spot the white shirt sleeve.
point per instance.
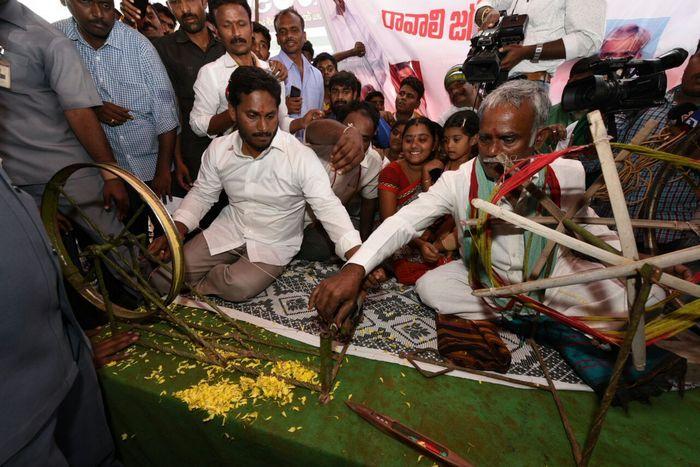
(584, 24)
(325, 204)
(282, 114)
(203, 194)
(497, 4)
(406, 224)
(206, 101)
(370, 179)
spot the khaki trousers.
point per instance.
(229, 275)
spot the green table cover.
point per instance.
(487, 424)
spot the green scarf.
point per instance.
(477, 242)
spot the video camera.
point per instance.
(483, 63)
(616, 84)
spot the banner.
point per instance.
(425, 39)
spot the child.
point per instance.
(400, 183)
(393, 152)
(460, 132)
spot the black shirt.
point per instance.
(183, 59)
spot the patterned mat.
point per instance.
(395, 321)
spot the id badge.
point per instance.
(5, 71)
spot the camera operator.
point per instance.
(677, 195)
(557, 30)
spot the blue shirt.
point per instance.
(128, 72)
(311, 86)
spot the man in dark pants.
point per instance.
(50, 401)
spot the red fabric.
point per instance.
(408, 272)
(393, 179)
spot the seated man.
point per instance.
(269, 177)
(362, 180)
(463, 95)
(511, 123)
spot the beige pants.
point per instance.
(229, 275)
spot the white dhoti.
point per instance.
(446, 289)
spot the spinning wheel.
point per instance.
(86, 264)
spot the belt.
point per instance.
(535, 76)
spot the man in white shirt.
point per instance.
(362, 180)
(269, 177)
(557, 30)
(512, 120)
(210, 116)
(463, 95)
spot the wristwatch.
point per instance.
(538, 51)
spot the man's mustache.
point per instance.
(187, 16)
(262, 135)
(238, 40)
(101, 24)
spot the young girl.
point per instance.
(400, 183)
(461, 133)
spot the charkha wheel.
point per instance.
(94, 262)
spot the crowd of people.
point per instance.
(280, 158)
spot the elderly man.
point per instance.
(463, 95)
(511, 124)
(269, 177)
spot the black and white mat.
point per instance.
(395, 321)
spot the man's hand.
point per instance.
(294, 105)
(348, 151)
(515, 54)
(130, 12)
(279, 71)
(182, 175)
(162, 185)
(335, 297)
(491, 19)
(107, 350)
(375, 279)
(114, 193)
(429, 252)
(159, 247)
(310, 116)
(112, 114)
(359, 49)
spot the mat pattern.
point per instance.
(394, 321)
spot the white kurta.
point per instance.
(446, 288)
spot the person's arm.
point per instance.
(89, 132)
(347, 152)
(335, 296)
(367, 209)
(78, 98)
(584, 26)
(204, 193)
(357, 51)
(162, 181)
(326, 206)
(204, 119)
(166, 115)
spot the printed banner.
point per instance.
(425, 39)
